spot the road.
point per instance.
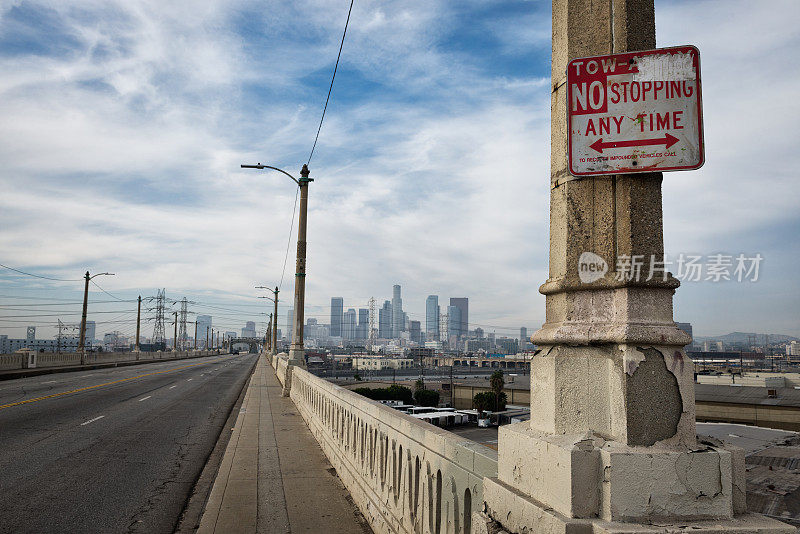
(111, 450)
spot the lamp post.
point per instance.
(296, 352)
(82, 338)
(273, 317)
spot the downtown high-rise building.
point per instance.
(453, 322)
(337, 308)
(398, 318)
(203, 329)
(462, 304)
(363, 324)
(249, 330)
(349, 324)
(432, 318)
(385, 321)
(289, 324)
(414, 330)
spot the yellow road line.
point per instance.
(36, 399)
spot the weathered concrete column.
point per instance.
(611, 444)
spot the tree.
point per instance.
(357, 376)
(488, 400)
(419, 385)
(426, 397)
(496, 382)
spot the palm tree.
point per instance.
(496, 382)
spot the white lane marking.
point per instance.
(93, 420)
(145, 398)
(188, 379)
(50, 382)
(172, 387)
(84, 376)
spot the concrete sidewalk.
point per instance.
(274, 477)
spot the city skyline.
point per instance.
(170, 183)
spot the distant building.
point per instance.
(91, 330)
(453, 322)
(363, 324)
(414, 331)
(31, 334)
(462, 303)
(203, 329)
(349, 324)
(385, 321)
(397, 312)
(686, 327)
(479, 332)
(249, 330)
(793, 349)
(378, 363)
(289, 324)
(432, 318)
(337, 309)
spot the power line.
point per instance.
(289, 242)
(335, 68)
(40, 276)
(107, 293)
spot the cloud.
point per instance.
(124, 124)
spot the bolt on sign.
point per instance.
(635, 112)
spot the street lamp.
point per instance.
(274, 318)
(296, 351)
(82, 339)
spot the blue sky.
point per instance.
(123, 124)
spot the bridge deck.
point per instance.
(274, 477)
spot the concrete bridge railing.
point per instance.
(405, 475)
(64, 359)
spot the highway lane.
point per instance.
(111, 450)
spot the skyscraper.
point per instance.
(414, 331)
(432, 318)
(337, 307)
(249, 331)
(203, 327)
(385, 321)
(523, 334)
(289, 324)
(453, 321)
(363, 323)
(349, 324)
(462, 304)
(397, 312)
(91, 331)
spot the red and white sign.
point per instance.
(635, 112)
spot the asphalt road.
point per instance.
(111, 450)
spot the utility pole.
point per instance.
(297, 352)
(275, 323)
(269, 334)
(195, 335)
(138, 322)
(82, 338)
(175, 340)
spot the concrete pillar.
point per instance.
(611, 444)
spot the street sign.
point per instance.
(635, 112)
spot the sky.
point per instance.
(123, 124)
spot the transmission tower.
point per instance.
(182, 332)
(158, 329)
(371, 340)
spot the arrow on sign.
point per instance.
(668, 140)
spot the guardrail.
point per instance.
(405, 475)
(65, 359)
